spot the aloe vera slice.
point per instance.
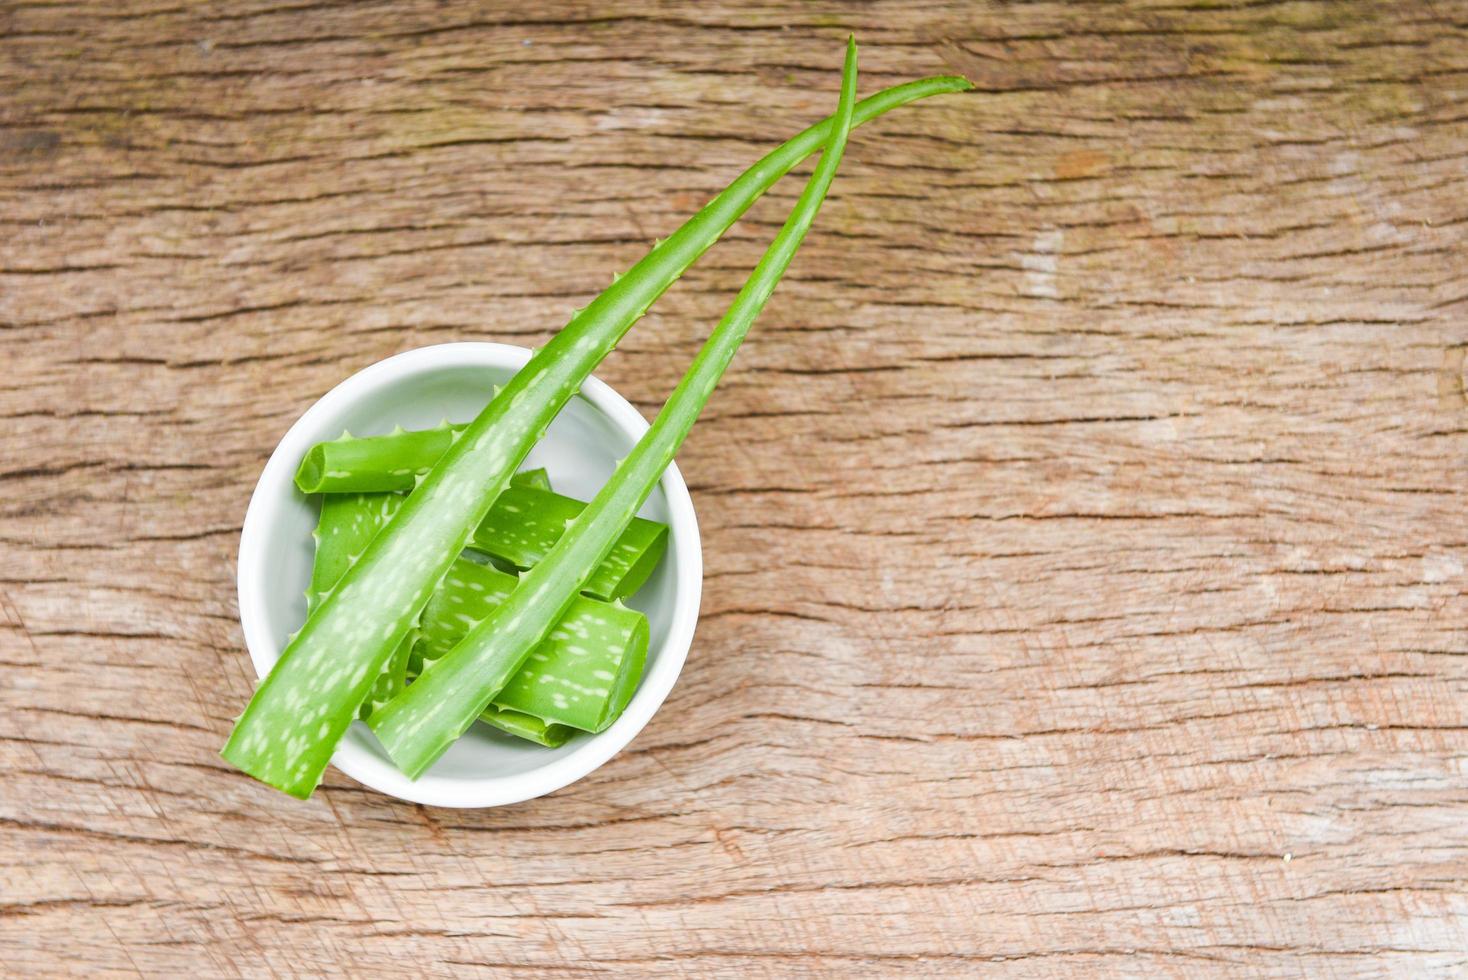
(582, 675)
(374, 464)
(298, 714)
(528, 727)
(347, 524)
(525, 524)
(419, 724)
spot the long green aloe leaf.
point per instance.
(299, 713)
(419, 724)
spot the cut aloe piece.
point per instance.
(391, 462)
(528, 727)
(582, 674)
(526, 523)
(376, 463)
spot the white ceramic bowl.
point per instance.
(417, 389)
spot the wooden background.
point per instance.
(1084, 518)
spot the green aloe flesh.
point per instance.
(581, 675)
(390, 462)
(525, 524)
(298, 714)
(528, 727)
(347, 524)
(420, 723)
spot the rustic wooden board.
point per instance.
(1084, 518)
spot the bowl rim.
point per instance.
(378, 773)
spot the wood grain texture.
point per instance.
(1084, 519)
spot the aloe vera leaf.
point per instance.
(347, 524)
(583, 673)
(298, 714)
(528, 727)
(525, 524)
(419, 724)
(366, 465)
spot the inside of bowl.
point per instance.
(579, 451)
